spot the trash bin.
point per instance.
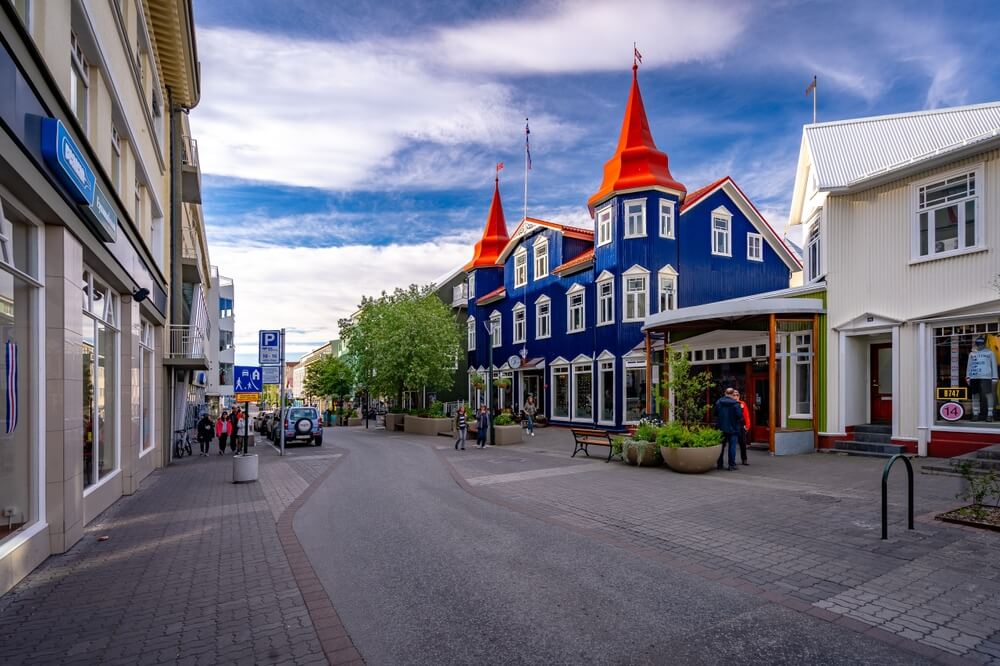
(245, 468)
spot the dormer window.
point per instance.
(604, 226)
(521, 268)
(635, 218)
(722, 232)
(666, 218)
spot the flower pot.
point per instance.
(422, 425)
(634, 453)
(245, 468)
(691, 460)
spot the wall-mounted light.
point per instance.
(141, 294)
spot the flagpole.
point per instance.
(815, 95)
(525, 169)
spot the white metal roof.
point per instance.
(781, 301)
(848, 152)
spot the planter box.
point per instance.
(508, 434)
(691, 461)
(630, 454)
(419, 425)
(245, 468)
(394, 421)
(355, 421)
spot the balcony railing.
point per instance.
(188, 342)
(460, 295)
(189, 151)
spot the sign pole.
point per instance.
(246, 428)
(281, 408)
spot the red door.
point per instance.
(881, 388)
(760, 412)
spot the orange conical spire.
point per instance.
(637, 163)
(495, 236)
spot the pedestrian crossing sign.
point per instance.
(247, 383)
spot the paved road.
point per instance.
(421, 572)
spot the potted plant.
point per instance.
(689, 449)
(641, 448)
(506, 430)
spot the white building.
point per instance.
(901, 218)
(222, 346)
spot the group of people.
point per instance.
(483, 423)
(229, 428)
(732, 417)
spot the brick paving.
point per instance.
(803, 531)
(194, 571)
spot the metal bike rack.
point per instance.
(885, 493)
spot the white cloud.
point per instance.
(307, 290)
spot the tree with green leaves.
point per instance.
(404, 341)
(329, 377)
(688, 389)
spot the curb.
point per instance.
(333, 636)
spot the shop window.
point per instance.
(543, 318)
(802, 376)
(635, 393)
(19, 440)
(606, 390)
(583, 393)
(560, 392)
(965, 363)
(948, 215)
(100, 381)
(147, 397)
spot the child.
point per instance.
(462, 424)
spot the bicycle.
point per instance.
(182, 444)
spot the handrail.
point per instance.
(885, 493)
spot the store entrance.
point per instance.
(881, 379)
(531, 384)
(760, 409)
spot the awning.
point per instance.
(734, 310)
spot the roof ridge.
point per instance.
(907, 114)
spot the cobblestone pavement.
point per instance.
(804, 530)
(193, 572)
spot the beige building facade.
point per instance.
(91, 102)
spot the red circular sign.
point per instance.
(951, 411)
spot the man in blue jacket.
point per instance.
(728, 418)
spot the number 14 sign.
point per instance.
(951, 411)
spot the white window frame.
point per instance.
(978, 187)
(603, 362)
(561, 367)
(541, 256)
(634, 273)
(667, 210)
(721, 214)
(116, 159)
(581, 368)
(496, 328)
(814, 254)
(472, 286)
(471, 333)
(110, 319)
(577, 290)
(606, 315)
(605, 225)
(632, 361)
(521, 267)
(755, 247)
(79, 73)
(520, 315)
(147, 343)
(801, 346)
(541, 317)
(667, 274)
(640, 230)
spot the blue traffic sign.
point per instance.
(269, 351)
(247, 379)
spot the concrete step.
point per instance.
(870, 447)
(989, 453)
(854, 452)
(950, 468)
(874, 428)
(874, 437)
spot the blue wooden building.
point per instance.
(563, 307)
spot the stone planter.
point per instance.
(691, 461)
(355, 421)
(245, 468)
(394, 421)
(508, 434)
(631, 454)
(420, 425)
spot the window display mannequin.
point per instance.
(981, 376)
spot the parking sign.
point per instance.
(269, 350)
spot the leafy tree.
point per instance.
(406, 340)
(689, 389)
(330, 376)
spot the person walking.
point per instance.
(223, 428)
(728, 419)
(530, 409)
(745, 430)
(482, 426)
(206, 431)
(241, 432)
(461, 425)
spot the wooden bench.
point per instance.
(584, 437)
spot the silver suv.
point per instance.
(302, 424)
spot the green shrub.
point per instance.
(677, 435)
(704, 437)
(436, 409)
(672, 435)
(504, 419)
(646, 432)
(616, 446)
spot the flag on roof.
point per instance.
(812, 86)
(637, 57)
(527, 144)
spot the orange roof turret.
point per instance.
(495, 236)
(637, 163)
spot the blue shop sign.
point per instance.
(65, 158)
(102, 218)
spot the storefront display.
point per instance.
(965, 358)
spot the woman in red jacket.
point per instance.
(745, 434)
(223, 429)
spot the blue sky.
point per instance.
(349, 147)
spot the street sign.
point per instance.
(246, 379)
(271, 375)
(246, 397)
(269, 350)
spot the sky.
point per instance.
(349, 147)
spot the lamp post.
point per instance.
(489, 379)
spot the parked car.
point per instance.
(302, 424)
(260, 420)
